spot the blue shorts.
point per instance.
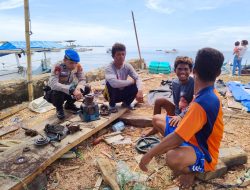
(198, 166)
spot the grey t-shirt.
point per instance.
(179, 88)
(117, 78)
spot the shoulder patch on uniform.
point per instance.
(64, 66)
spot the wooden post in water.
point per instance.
(28, 53)
(139, 51)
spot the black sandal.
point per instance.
(104, 110)
(113, 110)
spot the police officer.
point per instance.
(65, 83)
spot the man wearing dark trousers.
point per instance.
(118, 87)
(65, 82)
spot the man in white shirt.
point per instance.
(242, 51)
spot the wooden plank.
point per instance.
(38, 158)
(108, 173)
(231, 103)
(12, 110)
(9, 142)
(136, 120)
(2, 149)
(8, 129)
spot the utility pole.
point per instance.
(139, 51)
(28, 53)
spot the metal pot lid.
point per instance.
(144, 144)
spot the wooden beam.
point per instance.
(32, 50)
(137, 42)
(136, 120)
(28, 52)
(12, 110)
(8, 129)
(38, 158)
(108, 173)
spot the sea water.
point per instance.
(99, 58)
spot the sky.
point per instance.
(161, 24)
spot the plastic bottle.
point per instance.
(119, 126)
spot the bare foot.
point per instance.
(149, 132)
(185, 181)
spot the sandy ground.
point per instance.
(236, 134)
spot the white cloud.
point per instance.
(170, 6)
(226, 32)
(86, 33)
(10, 4)
(222, 38)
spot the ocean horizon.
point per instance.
(98, 57)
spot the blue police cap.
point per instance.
(72, 55)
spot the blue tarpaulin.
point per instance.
(21, 45)
(240, 94)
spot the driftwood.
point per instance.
(8, 129)
(136, 120)
(108, 173)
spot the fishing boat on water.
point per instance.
(171, 51)
(84, 49)
(18, 48)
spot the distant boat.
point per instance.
(83, 49)
(171, 51)
(18, 49)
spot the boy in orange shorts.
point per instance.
(194, 145)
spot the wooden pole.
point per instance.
(28, 53)
(142, 64)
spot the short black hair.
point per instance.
(186, 97)
(118, 47)
(183, 60)
(237, 43)
(244, 42)
(208, 63)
